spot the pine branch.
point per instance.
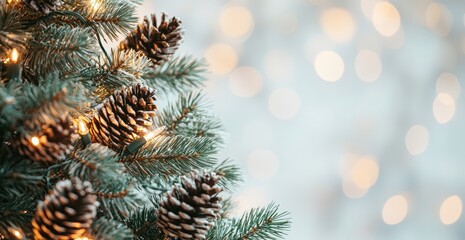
(125, 68)
(142, 224)
(166, 155)
(259, 223)
(51, 98)
(60, 48)
(107, 229)
(177, 75)
(189, 117)
(230, 174)
(13, 33)
(9, 112)
(110, 17)
(99, 165)
(18, 175)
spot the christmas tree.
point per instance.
(87, 154)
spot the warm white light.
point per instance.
(451, 210)
(95, 4)
(17, 234)
(83, 238)
(395, 210)
(368, 66)
(222, 58)
(449, 84)
(284, 103)
(367, 7)
(417, 139)
(236, 21)
(443, 108)
(438, 18)
(364, 172)
(329, 66)
(151, 135)
(82, 128)
(35, 141)
(14, 55)
(351, 190)
(338, 24)
(263, 164)
(386, 19)
(245, 82)
(249, 198)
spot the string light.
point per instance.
(138, 143)
(16, 233)
(83, 131)
(35, 141)
(14, 56)
(95, 4)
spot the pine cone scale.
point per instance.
(157, 41)
(124, 116)
(188, 210)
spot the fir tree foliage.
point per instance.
(66, 74)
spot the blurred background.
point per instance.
(346, 112)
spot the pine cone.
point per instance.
(53, 140)
(157, 42)
(44, 6)
(186, 212)
(124, 116)
(67, 212)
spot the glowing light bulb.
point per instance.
(83, 238)
(95, 4)
(82, 128)
(35, 141)
(17, 234)
(151, 135)
(14, 55)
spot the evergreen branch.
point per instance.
(125, 68)
(189, 117)
(51, 98)
(110, 17)
(260, 223)
(177, 75)
(13, 33)
(18, 175)
(166, 155)
(142, 224)
(84, 21)
(60, 48)
(230, 174)
(99, 165)
(107, 229)
(9, 112)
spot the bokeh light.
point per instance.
(359, 175)
(449, 84)
(251, 197)
(443, 108)
(451, 210)
(236, 21)
(395, 209)
(368, 66)
(245, 82)
(262, 164)
(386, 18)
(364, 172)
(284, 103)
(329, 66)
(338, 24)
(221, 58)
(367, 7)
(438, 18)
(417, 139)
